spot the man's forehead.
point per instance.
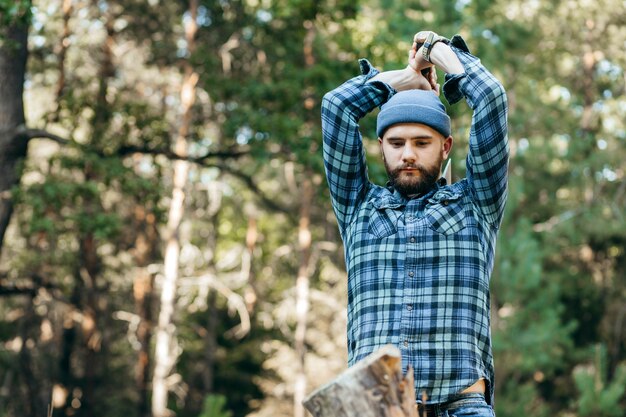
(411, 131)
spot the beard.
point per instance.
(409, 185)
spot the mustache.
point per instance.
(420, 168)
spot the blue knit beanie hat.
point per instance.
(414, 106)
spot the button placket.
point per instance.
(410, 246)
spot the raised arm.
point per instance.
(488, 156)
(342, 108)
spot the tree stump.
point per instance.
(374, 387)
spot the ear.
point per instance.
(447, 146)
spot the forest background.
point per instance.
(167, 237)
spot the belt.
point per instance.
(435, 410)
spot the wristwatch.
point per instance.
(430, 41)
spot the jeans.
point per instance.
(464, 405)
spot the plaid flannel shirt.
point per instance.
(419, 269)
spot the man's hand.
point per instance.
(424, 69)
(419, 63)
(407, 79)
(419, 73)
(441, 55)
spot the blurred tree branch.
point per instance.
(24, 133)
(27, 134)
(253, 186)
(36, 283)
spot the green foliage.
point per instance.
(520, 399)
(15, 12)
(238, 362)
(60, 204)
(600, 396)
(214, 407)
(557, 287)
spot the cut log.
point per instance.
(373, 387)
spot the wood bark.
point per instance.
(88, 303)
(27, 363)
(210, 338)
(305, 242)
(210, 342)
(63, 45)
(373, 387)
(13, 147)
(143, 291)
(66, 378)
(91, 304)
(165, 352)
(302, 295)
(247, 264)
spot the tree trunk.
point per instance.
(143, 293)
(35, 404)
(247, 267)
(210, 342)
(302, 294)
(13, 54)
(92, 313)
(143, 290)
(63, 45)
(304, 238)
(210, 338)
(165, 354)
(373, 387)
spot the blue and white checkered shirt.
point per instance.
(419, 269)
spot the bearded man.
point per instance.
(419, 251)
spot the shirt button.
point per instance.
(411, 273)
(410, 218)
(406, 344)
(409, 307)
(412, 240)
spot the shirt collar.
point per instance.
(397, 196)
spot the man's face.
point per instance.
(413, 154)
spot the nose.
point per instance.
(408, 154)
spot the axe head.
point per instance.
(447, 172)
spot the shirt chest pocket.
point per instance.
(445, 213)
(384, 217)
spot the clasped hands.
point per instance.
(424, 70)
(420, 72)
